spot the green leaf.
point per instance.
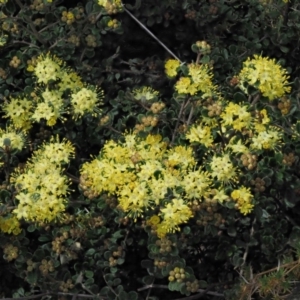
(187, 230)
(89, 7)
(149, 279)
(89, 274)
(205, 59)
(239, 97)
(231, 231)
(90, 252)
(44, 238)
(147, 263)
(32, 277)
(132, 295)
(284, 49)
(120, 261)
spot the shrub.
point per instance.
(135, 171)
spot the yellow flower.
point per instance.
(268, 139)
(266, 75)
(19, 111)
(182, 85)
(200, 134)
(171, 67)
(243, 197)
(236, 116)
(202, 79)
(47, 68)
(12, 138)
(222, 168)
(86, 101)
(145, 93)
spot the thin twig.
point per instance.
(48, 293)
(160, 286)
(177, 123)
(151, 34)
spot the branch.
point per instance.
(39, 296)
(201, 292)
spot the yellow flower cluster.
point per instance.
(10, 224)
(51, 102)
(223, 169)
(141, 172)
(236, 116)
(268, 139)
(198, 81)
(266, 75)
(19, 111)
(145, 94)
(145, 175)
(201, 134)
(171, 66)
(111, 6)
(12, 139)
(41, 187)
(243, 198)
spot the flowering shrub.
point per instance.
(182, 178)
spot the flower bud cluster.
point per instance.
(68, 17)
(30, 265)
(165, 245)
(10, 252)
(91, 41)
(87, 191)
(259, 185)
(104, 120)
(203, 47)
(66, 286)
(113, 24)
(191, 14)
(38, 21)
(46, 267)
(157, 107)
(192, 286)
(113, 259)
(74, 39)
(15, 62)
(214, 109)
(3, 74)
(284, 105)
(111, 6)
(249, 161)
(289, 159)
(177, 274)
(37, 5)
(160, 263)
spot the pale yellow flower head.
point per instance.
(48, 68)
(171, 67)
(266, 75)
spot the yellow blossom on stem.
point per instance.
(266, 75)
(171, 67)
(48, 68)
(269, 139)
(243, 197)
(182, 85)
(223, 169)
(200, 134)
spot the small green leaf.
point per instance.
(146, 263)
(239, 97)
(132, 295)
(31, 228)
(89, 274)
(231, 231)
(90, 252)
